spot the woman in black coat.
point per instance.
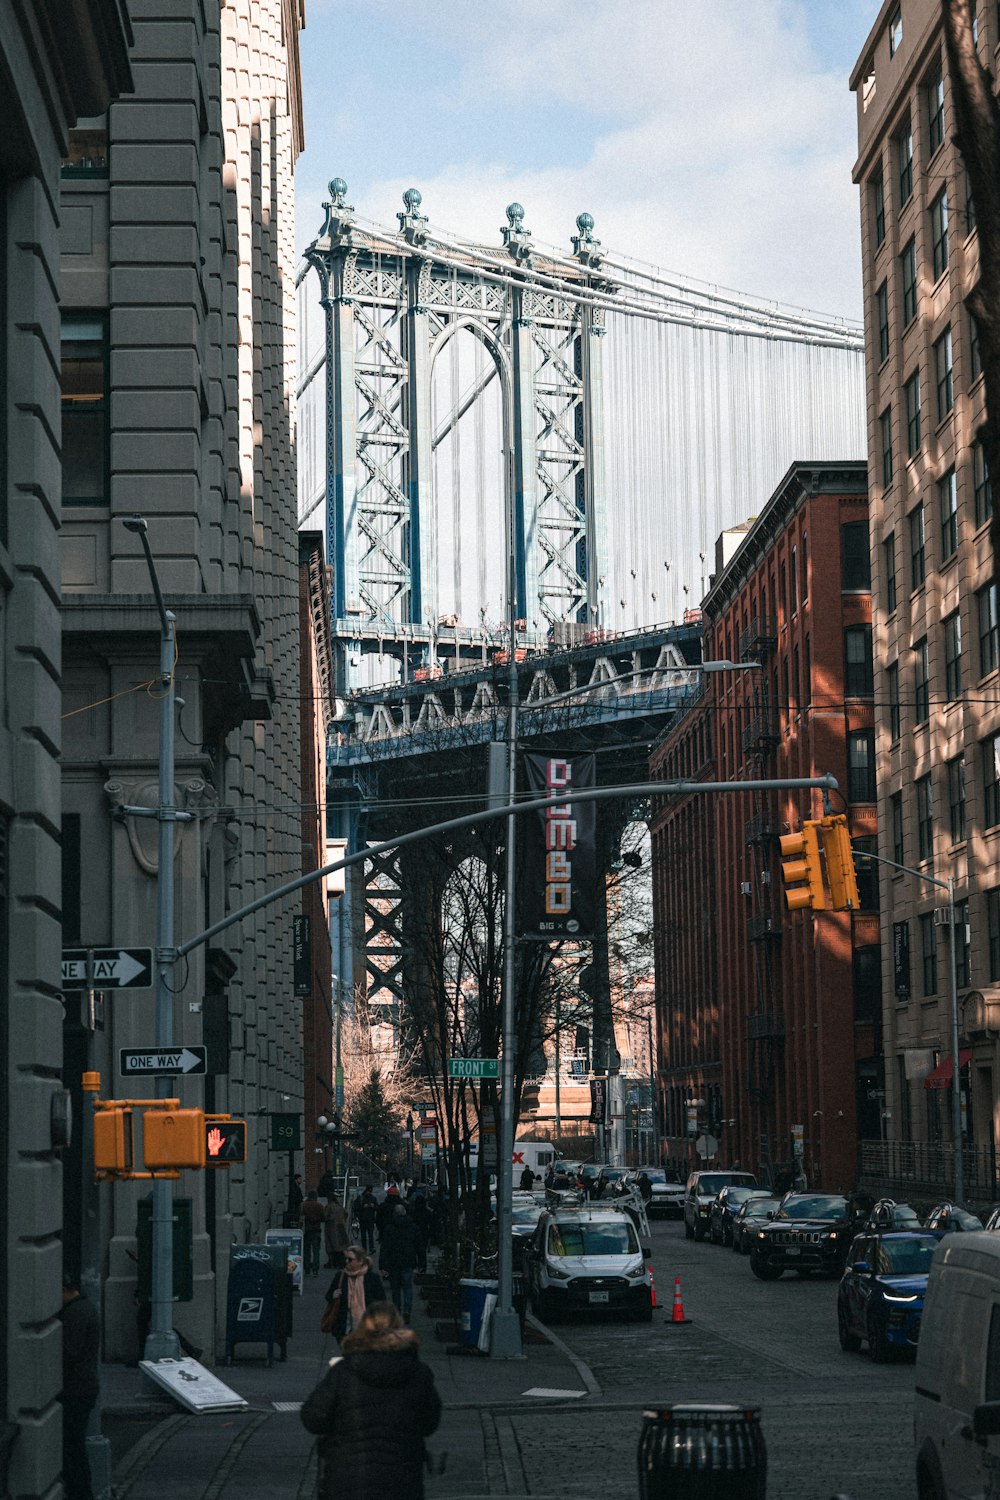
(353, 1289)
(372, 1411)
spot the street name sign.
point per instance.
(473, 1067)
(152, 1062)
(108, 968)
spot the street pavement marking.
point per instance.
(287, 1405)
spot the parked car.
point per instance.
(948, 1218)
(880, 1299)
(587, 1259)
(524, 1219)
(887, 1215)
(727, 1200)
(956, 1411)
(700, 1191)
(609, 1180)
(748, 1218)
(809, 1232)
(668, 1197)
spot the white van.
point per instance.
(956, 1423)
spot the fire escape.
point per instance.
(765, 1029)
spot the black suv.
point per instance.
(809, 1232)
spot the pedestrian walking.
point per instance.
(372, 1411)
(421, 1216)
(351, 1291)
(81, 1353)
(336, 1232)
(296, 1197)
(327, 1185)
(398, 1257)
(527, 1180)
(365, 1211)
(385, 1208)
(311, 1219)
(645, 1187)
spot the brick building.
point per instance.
(778, 1020)
(935, 604)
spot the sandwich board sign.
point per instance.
(192, 1385)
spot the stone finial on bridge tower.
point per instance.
(586, 248)
(338, 222)
(411, 221)
(516, 238)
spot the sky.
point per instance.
(714, 138)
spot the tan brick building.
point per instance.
(937, 648)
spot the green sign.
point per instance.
(286, 1133)
(473, 1067)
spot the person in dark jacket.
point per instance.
(384, 1211)
(372, 1411)
(81, 1352)
(365, 1211)
(398, 1257)
(354, 1289)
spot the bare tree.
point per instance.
(977, 136)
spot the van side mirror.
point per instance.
(860, 1267)
(986, 1420)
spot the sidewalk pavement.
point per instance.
(162, 1452)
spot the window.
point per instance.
(939, 234)
(918, 547)
(956, 799)
(935, 110)
(993, 934)
(877, 196)
(885, 435)
(882, 321)
(970, 207)
(889, 558)
(892, 694)
(895, 31)
(961, 938)
(953, 657)
(928, 951)
(861, 765)
(866, 871)
(805, 566)
(911, 392)
(858, 667)
(975, 353)
(855, 558)
(84, 380)
(793, 581)
(991, 781)
(989, 638)
(921, 682)
(896, 827)
(982, 490)
(904, 162)
(948, 502)
(908, 266)
(943, 375)
(807, 676)
(87, 155)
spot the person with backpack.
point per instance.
(398, 1257)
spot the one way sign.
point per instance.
(107, 968)
(151, 1061)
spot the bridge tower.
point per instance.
(392, 303)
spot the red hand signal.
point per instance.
(214, 1141)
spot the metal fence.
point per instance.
(902, 1169)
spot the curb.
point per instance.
(581, 1367)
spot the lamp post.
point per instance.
(162, 1341)
(956, 1081)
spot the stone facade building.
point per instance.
(52, 70)
(178, 360)
(935, 606)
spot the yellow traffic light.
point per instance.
(113, 1140)
(802, 869)
(839, 855)
(173, 1138)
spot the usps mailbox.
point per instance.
(256, 1297)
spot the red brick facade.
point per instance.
(778, 1024)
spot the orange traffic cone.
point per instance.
(652, 1286)
(677, 1316)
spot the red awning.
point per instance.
(941, 1077)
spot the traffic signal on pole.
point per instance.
(173, 1138)
(839, 856)
(113, 1140)
(802, 869)
(225, 1141)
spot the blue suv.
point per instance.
(881, 1294)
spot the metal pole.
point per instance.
(558, 1067)
(956, 1078)
(654, 1112)
(505, 1336)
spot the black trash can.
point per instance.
(702, 1453)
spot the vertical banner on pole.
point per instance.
(560, 857)
(302, 957)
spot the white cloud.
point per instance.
(710, 138)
